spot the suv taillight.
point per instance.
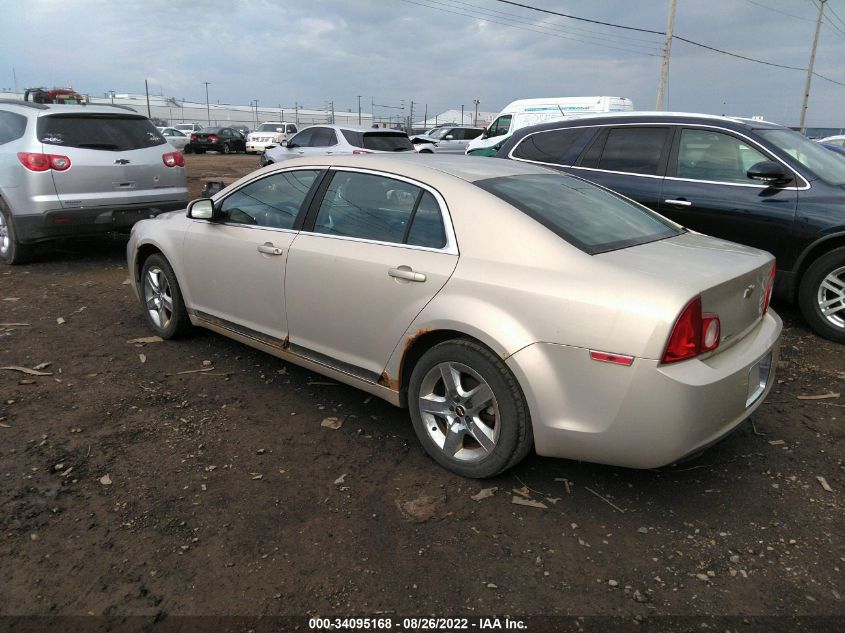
(694, 333)
(360, 151)
(193, 137)
(768, 289)
(173, 159)
(35, 161)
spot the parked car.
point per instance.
(243, 130)
(188, 128)
(173, 136)
(753, 182)
(507, 306)
(446, 140)
(68, 170)
(269, 134)
(838, 140)
(217, 139)
(326, 140)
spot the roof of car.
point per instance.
(604, 118)
(51, 108)
(468, 168)
(354, 128)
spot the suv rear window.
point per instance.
(591, 218)
(379, 141)
(110, 132)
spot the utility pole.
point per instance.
(462, 114)
(359, 109)
(332, 103)
(147, 90)
(207, 107)
(411, 119)
(475, 120)
(667, 50)
(810, 69)
(296, 112)
(425, 118)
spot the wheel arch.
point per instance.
(810, 254)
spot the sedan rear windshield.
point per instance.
(110, 132)
(588, 217)
(379, 141)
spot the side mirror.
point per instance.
(768, 171)
(201, 209)
(289, 144)
(485, 133)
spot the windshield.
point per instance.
(821, 161)
(185, 126)
(588, 217)
(270, 127)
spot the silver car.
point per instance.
(446, 140)
(507, 306)
(338, 140)
(68, 170)
(176, 138)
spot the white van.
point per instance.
(525, 112)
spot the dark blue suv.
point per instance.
(743, 180)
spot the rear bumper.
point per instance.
(81, 222)
(646, 415)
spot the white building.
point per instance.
(454, 117)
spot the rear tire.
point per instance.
(11, 250)
(468, 410)
(161, 298)
(821, 295)
(226, 148)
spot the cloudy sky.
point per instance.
(442, 53)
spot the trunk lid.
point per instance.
(730, 278)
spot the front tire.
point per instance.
(161, 298)
(11, 250)
(468, 410)
(821, 296)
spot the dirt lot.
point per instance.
(127, 487)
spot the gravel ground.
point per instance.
(129, 488)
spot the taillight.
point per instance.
(35, 161)
(213, 139)
(193, 137)
(173, 159)
(768, 289)
(360, 151)
(694, 333)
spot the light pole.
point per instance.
(207, 107)
(475, 120)
(462, 114)
(359, 109)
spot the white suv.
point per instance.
(269, 134)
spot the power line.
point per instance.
(485, 13)
(574, 17)
(677, 37)
(836, 15)
(525, 28)
(792, 15)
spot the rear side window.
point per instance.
(12, 126)
(378, 141)
(588, 217)
(549, 147)
(108, 132)
(635, 150)
(373, 207)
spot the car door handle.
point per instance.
(679, 203)
(404, 272)
(269, 249)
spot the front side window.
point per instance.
(291, 129)
(548, 147)
(303, 139)
(323, 137)
(273, 201)
(820, 160)
(591, 218)
(108, 132)
(635, 150)
(708, 155)
(377, 208)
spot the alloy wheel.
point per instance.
(831, 297)
(460, 412)
(5, 238)
(158, 297)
